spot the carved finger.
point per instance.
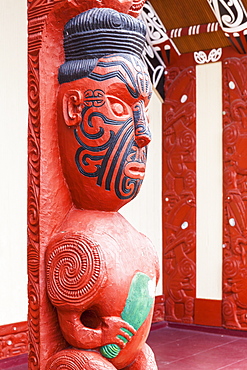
(120, 341)
(128, 327)
(126, 334)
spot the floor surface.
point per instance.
(180, 349)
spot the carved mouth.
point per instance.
(137, 5)
(135, 170)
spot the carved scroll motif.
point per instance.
(159, 49)
(37, 14)
(179, 194)
(33, 210)
(13, 339)
(201, 57)
(231, 15)
(74, 270)
(235, 194)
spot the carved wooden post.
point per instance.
(91, 274)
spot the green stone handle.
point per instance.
(110, 350)
(135, 312)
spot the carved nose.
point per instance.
(142, 132)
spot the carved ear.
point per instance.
(72, 107)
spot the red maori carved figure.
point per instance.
(100, 272)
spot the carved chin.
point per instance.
(119, 5)
(135, 170)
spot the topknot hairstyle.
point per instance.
(95, 33)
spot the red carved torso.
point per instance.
(122, 252)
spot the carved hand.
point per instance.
(116, 331)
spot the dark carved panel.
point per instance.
(235, 193)
(179, 186)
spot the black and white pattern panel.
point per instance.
(231, 14)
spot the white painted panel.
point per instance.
(209, 181)
(13, 162)
(145, 212)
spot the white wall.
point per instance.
(13, 157)
(209, 181)
(145, 211)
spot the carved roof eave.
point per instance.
(193, 25)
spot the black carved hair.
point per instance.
(96, 33)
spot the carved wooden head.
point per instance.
(102, 109)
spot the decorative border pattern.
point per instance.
(214, 56)
(38, 11)
(156, 34)
(13, 340)
(193, 30)
(159, 50)
(231, 15)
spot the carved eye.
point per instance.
(118, 107)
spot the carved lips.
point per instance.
(135, 170)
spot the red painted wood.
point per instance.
(208, 312)
(179, 193)
(13, 339)
(53, 217)
(235, 190)
(159, 309)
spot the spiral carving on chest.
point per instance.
(74, 270)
